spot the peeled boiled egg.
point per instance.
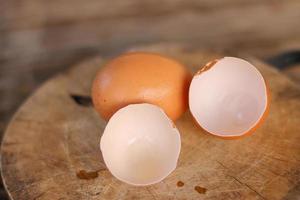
(228, 97)
(141, 78)
(140, 144)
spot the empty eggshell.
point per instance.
(228, 97)
(140, 144)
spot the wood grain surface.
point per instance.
(51, 147)
(40, 38)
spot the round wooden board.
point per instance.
(51, 147)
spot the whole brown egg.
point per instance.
(141, 77)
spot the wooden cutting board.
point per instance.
(51, 147)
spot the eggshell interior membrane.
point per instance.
(228, 99)
(140, 144)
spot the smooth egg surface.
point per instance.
(141, 78)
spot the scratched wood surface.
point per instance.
(40, 38)
(51, 147)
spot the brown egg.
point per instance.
(141, 78)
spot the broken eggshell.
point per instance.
(140, 144)
(228, 97)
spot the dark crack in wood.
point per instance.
(248, 186)
(82, 100)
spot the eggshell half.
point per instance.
(228, 97)
(140, 144)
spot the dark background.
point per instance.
(39, 38)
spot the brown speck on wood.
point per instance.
(82, 174)
(200, 190)
(180, 184)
